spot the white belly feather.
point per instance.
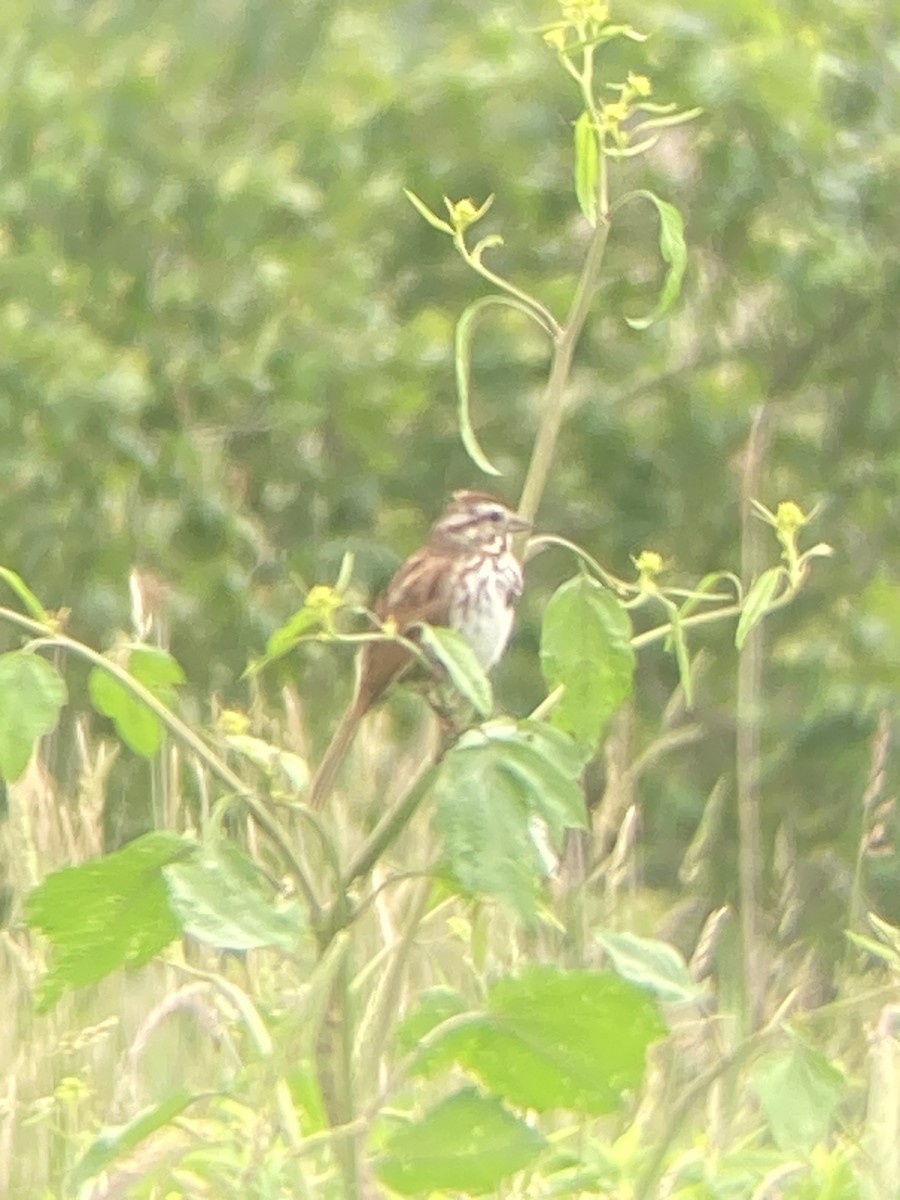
(486, 621)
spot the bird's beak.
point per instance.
(517, 524)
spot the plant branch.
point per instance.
(749, 717)
(341, 914)
(47, 636)
(554, 404)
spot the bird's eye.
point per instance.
(496, 515)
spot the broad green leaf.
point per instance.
(586, 647)
(651, 964)
(221, 898)
(467, 1143)
(157, 670)
(756, 605)
(118, 1140)
(465, 331)
(287, 636)
(32, 692)
(435, 1005)
(489, 787)
(140, 729)
(575, 1039)
(674, 253)
(33, 606)
(456, 655)
(106, 914)
(799, 1091)
(557, 1039)
(587, 163)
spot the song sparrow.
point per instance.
(465, 577)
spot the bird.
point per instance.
(466, 577)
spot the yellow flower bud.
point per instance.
(466, 212)
(640, 85)
(232, 721)
(585, 12)
(650, 563)
(617, 112)
(790, 517)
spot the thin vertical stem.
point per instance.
(871, 798)
(749, 710)
(554, 405)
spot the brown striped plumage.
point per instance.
(465, 577)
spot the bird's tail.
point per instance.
(338, 748)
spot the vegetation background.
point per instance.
(226, 357)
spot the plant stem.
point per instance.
(48, 637)
(341, 914)
(554, 405)
(749, 715)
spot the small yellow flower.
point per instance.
(640, 85)
(233, 721)
(649, 562)
(325, 601)
(617, 112)
(72, 1090)
(790, 517)
(585, 12)
(466, 212)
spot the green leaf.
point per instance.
(424, 211)
(32, 692)
(221, 898)
(608, 32)
(465, 330)
(157, 670)
(271, 759)
(137, 726)
(435, 1005)
(586, 647)
(888, 933)
(575, 1039)
(682, 657)
(798, 1092)
(877, 949)
(466, 1143)
(674, 253)
(700, 856)
(457, 657)
(557, 1039)
(707, 584)
(287, 636)
(33, 606)
(651, 964)
(106, 914)
(118, 1140)
(487, 792)
(587, 166)
(756, 604)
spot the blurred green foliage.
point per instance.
(226, 338)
